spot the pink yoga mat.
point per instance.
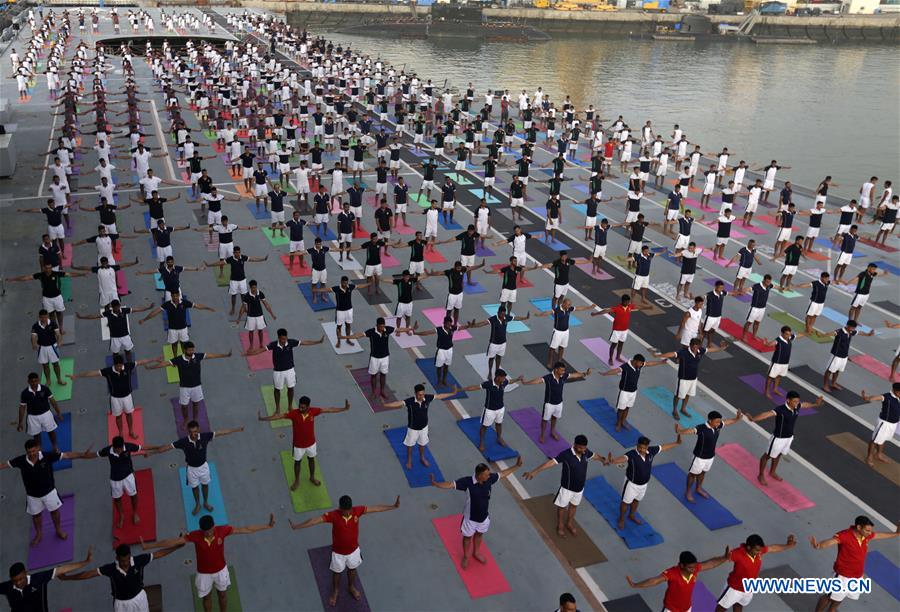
(389, 261)
(768, 219)
(707, 254)
(481, 579)
(599, 347)
(404, 341)
(52, 550)
(67, 255)
(789, 498)
(696, 204)
(121, 283)
(296, 270)
(525, 283)
(436, 316)
(867, 362)
(262, 361)
(404, 229)
(734, 233)
(434, 256)
(587, 268)
(754, 230)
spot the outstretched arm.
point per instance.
(791, 542)
(649, 582)
(74, 565)
(549, 463)
(509, 471)
(254, 528)
(394, 506)
(344, 408)
(316, 520)
(716, 561)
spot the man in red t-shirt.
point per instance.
(853, 546)
(345, 553)
(681, 580)
(304, 435)
(209, 545)
(621, 315)
(747, 559)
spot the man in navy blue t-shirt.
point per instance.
(782, 433)
(639, 462)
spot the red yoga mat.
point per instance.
(481, 579)
(296, 270)
(734, 329)
(261, 361)
(138, 420)
(131, 533)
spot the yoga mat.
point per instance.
(869, 363)
(729, 288)
(529, 419)
(588, 268)
(543, 305)
(710, 512)
(539, 352)
(757, 278)
(306, 290)
(556, 245)
(330, 330)
(724, 262)
(426, 365)
(121, 283)
(580, 551)
(260, 215)
(171, 371)
(884, 573)
(232, 594)
(783, 494)
(307, 497)
(268, 394)
(605, 415)
(146, 529)
(374, 299)
(449, 225)
(63, 441)
(459, 179)
(814, 378)
(134, 377)
(349, 264)
(794, 600)
(296, 270)
(479, 362)
(480, 579)
(51, 550)
(483, 251)
(275, 238)
(513, 327)
(361, 377)
(734, 330)
(473, 289)
(326, 236)
(419, 475)
(192, 521)
(606, 499)
(181, 426)
(66, 367)
(481, 194)
(436, 316)
(221, 275)
(798, 325)
(662, 399)
(261, 361)
(137, 418)
(600, 348)
(404, 341)
(320, 560)
(703, 600)
(523, 283)
(881, 264)
(492, 450)
(632, 603)
(858, 448)
(434, 256)
(65, 288)
(841, 318)
(878, 245)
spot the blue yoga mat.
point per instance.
(147, 220)
(556, 245)
(662, 398)
(605, 416)
(668, 256)
(841, 319)
(513, 327)
(260, 215)
(581, 209)
(582, 188)
(543, 304)
(450, 225)
(306, 290)
(157, 280)
(192, 521)
(426, 364)
(884, 573)
(492, 450)
(606, 499)
(479, 193)
(473, 289)
(889, 267)
(165, 317)
(152, 248)
(314, 229)
(134, 377)
(419, 475)
(708, 511)
(63, 440)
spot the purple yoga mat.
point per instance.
(361, 376)
(320, 559)
(181, 426)
(729, 288)
(52, 550)
(599, 347)
(529, 420)
(703, 600)
(757, 382)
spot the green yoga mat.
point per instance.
(61, 393)
(234, 597)
(65, 287)
(171, 371)
(222, 279)
(277, 239)
(268, 393)
(307, 497)
(798, 325)
(210, 134)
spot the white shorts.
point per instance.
(886, 227)
(284, 378)
(590, 221)
(416, 436)
(790, 270)
(756, 315)
(347, 238)
(47, 354)
(712, 323)
(470, 528)
(699, 466)
(482, 227)
(617, 336)
(883, 432)
(625, 399)
(552, 223)
(373, 271)
(844, 259)
(722, 240)
(277, 217)
(672, 214)
(744, 272)
(56, 232)
(496, 350)
(815, 309)
(565, 497)
(394, 164)
(177, 335)
(842, 229)
(246, 173)
(404, 309)
(778, 369)
(49, 502)
(560, 290)
(126, 486)
(343, 316)
(551, 410)
(687, 388)
(54, 304)
(448, 204)
(460, 166)
(732, 596)
(682, 242)
(226, 250)
(559, 339)
(378, 365)
(190, 394)
(508, 295)
(843, 594)
(37, 423)
(779, 446)
(811, 232)
(380, 188)
(491, 417)
(859, 299)
(630, 217)
(321, 218)
(513, 202)
(768, 184)
(427, 186)
(633, 492)
(138, 603)
(430, 231)
(837, 364)
(641, 282)
(309, 451)
(205, 582)
(784, 234)
(119, 344)
(118, 405)
(489, 181)
(260, 191)
(341, 562)
(357, 166)
(599, 250)
(319, 276)
(238, 287)
(399, 208)
(198, 475)
(454, 301)
(467, 260)
(255, 323)
(686, 279)
(296, 246)
(443, 357)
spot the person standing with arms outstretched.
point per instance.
(637, 475)
(628, 384)
(887, 422)
(345, 552)
(417, 421)
(28, 592)
(680, 580)
(190, 389)
(574, 462)
(283, 373)
(554, 381)
(704, 450)
(747, 560)
(476, 519)
(379, 352)
(689, 358)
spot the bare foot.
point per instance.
(702, 493)
(689, 496)
(618, 427)
(132, 435)
(775, 476)
(479, 558)
(409, 464)
(572, 529)
(37, 538)
(501, 441)
(833, 386)
(354, 592)
(350, 342)
(196, 510)
(424, 462)
(464, 563)
(136, 519)
(561, 532)
(207, 507)
(635, 519)
(881, 458)
(316, 482)
(621, 524)
(610, 361)
(332, 601)
(761, 478)
(554, 435)
(61, 383)
(870, 462)
(481, 447)
(685, 412)
(120, 521)
(675, 415)
(826, 388)
(383, 394)
(768, 395)
(541, 439)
